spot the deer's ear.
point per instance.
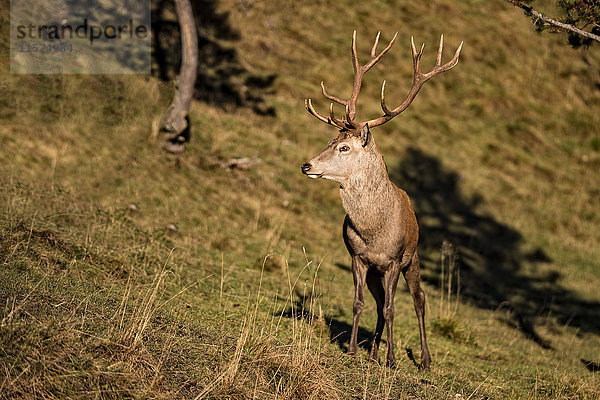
(365, 135)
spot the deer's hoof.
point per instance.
(352, 350)
(425, 361)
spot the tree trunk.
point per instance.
(175, 122)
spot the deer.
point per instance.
(380, 228)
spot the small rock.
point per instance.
(172, 228)
(242, 163)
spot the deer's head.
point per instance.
(354, 149)
(343, 156)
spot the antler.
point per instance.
(359, 70)
(419, 79)
(350, 104)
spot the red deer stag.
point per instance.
(380, 228)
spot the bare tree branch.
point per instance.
(554, 22)
(175, 121)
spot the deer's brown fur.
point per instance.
(380, 228)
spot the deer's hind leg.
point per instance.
(375, 285)
(412, 275)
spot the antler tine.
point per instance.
(442, 68)
(332, 98)
(375, 59)
(416, 55)
(337, 122)
(309, 107)
(355, 63)
(452, 63)
(348, 113)
(438, 58)
(386, 110)
(358, 74)
(374, 49)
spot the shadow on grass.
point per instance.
(490, 254)
(223, 79)
(339, 331)
(591, 366)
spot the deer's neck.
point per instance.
(369, 197)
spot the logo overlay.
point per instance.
(80, 37)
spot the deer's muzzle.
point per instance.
(306, 167)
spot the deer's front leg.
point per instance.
(359, 272)
(390, 282)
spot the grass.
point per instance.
(251, 295)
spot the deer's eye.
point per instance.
(344, 148)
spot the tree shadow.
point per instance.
(339, 331)
(344, 267)
(222, 78)
(490, 253)
(591, 366)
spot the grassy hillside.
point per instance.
(122, 276)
